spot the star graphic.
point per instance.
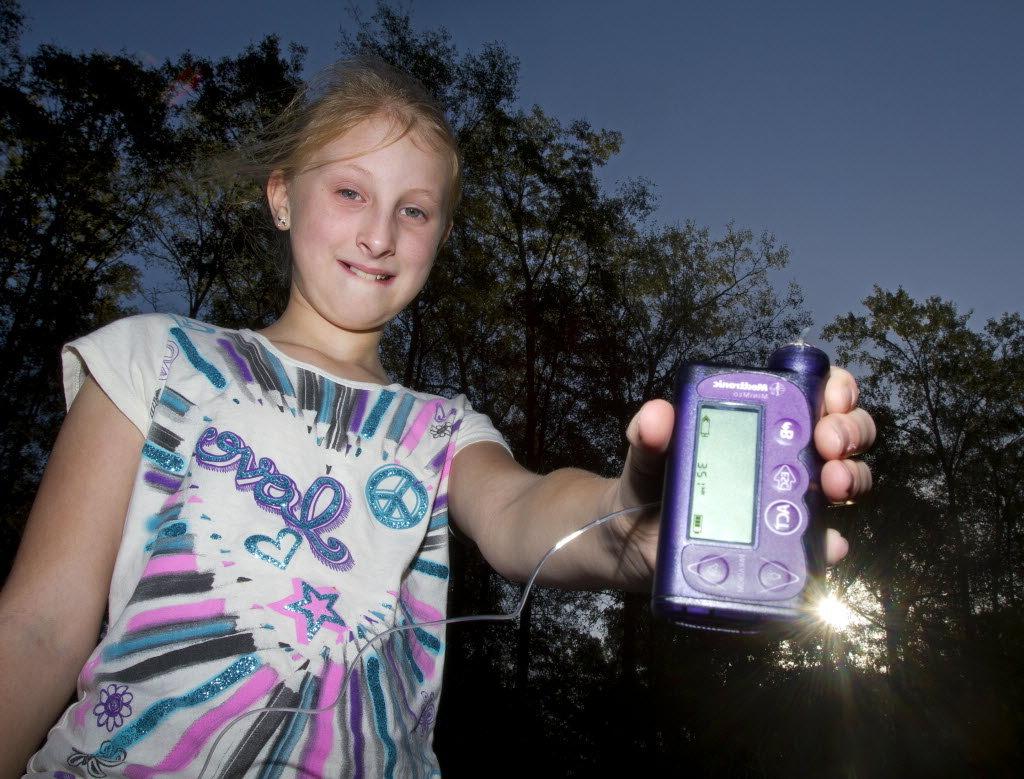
(312, 610)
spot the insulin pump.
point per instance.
(742, 539)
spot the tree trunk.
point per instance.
(893, 633)
(963, 558)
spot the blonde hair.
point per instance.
(338, 99)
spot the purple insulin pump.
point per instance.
(742, 540)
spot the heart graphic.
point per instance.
(252, 543)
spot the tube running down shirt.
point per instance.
(280, 518)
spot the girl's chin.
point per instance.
(355, 325)
(356, 306)
(361, 321)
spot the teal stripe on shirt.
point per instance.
(243, 667)
(219, 627)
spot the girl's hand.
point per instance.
(843, 431)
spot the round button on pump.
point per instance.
(787, 432)
(782, 517)
(713, 569)
(785, 478)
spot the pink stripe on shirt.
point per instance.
(319, 746)
(172, 563)
(423, 419)
(423, 612)
(82, 708)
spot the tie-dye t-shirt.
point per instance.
(280, 518)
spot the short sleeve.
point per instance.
(477, 427)
(125, 359)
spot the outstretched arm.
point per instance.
(53, 602)
(515, 516)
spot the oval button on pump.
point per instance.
(775, 576)
(713, 569)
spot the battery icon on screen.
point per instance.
(698, 519)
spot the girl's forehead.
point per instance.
(368, 135)
(376, 138)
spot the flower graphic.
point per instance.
(114, 706)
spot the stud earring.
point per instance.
(283, 222)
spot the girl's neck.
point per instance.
(305, 336)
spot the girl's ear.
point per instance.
(447, 232)
(277, 198)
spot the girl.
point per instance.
(248, 508)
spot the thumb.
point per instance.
(648, 433)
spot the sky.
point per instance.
(879, 141)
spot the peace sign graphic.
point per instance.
(396, 497)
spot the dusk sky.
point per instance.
(881, 141)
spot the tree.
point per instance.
(210, 236)
(943, 549)
(83, 141)
(945, 386)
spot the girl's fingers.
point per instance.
(844, 431)
(843, 434)
(845, 479)
(836, 547)
(841, 392)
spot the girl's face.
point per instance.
(366, 226)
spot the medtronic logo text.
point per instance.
(740, 385)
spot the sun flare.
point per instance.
(834, 613)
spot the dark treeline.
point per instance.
(558, 306)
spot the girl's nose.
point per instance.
(376, 235)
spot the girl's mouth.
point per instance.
(380, 278)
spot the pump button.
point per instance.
(785, 479)
(775, 576)
(788, 432)
(713, 569)
(782, 517)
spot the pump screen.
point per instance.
(722, 500)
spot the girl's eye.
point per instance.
(415, 213)
(349, 194)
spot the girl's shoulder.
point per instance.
(152, 329)
(131, 357)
